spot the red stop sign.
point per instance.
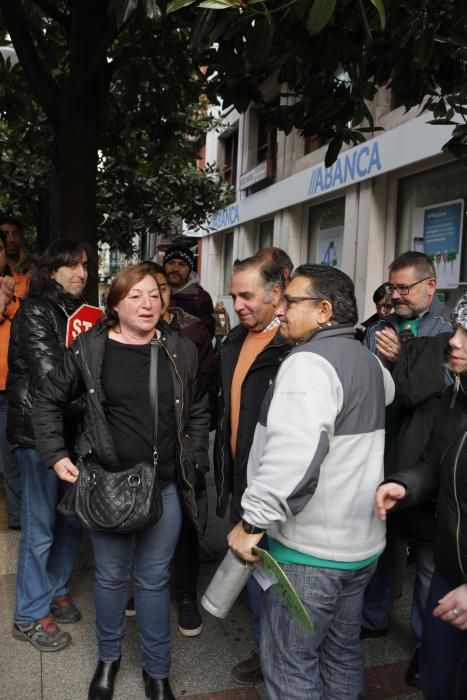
(83, 319)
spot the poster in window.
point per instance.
(330, 242)
(441, 227)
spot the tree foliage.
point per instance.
(331, 56)
(114, 84)
(105, 107)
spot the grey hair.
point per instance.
(270, 273)
(422, 263)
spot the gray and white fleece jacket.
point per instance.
(317, 454)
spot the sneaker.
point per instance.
(248, 672)
(130, 608)
(64, 611)
(43, 634)
(189, 619)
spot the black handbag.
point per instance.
(126, 501)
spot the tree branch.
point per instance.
(54, 13)
(42, 84)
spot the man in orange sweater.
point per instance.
(249, 360)
(13, 288)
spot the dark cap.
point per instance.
(180, 252)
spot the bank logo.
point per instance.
(226, 217)
(348, 167)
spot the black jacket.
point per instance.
(230, 474)
(442, 472)
(194, 329)
(37, 345)
(420, 379)
(81, 372)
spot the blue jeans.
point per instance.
(150, 552)
(329, 663)
(379, 596)
(443, 656)
(10, 468)
(49, 541)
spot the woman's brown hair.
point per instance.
(120, 287)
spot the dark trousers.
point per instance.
(186, 563)
(443, 658)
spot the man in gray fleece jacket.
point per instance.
(315, 463)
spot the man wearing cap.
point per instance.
(187, 293)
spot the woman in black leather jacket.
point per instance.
(442, 472)
(110, 366)
(49, 542)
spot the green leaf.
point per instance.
(178, 5)
(333, 151)
(320, 14)
(151, 9)
(259, 40)
(124, 10)
(381, 11)
(424, 46)
(218, 4)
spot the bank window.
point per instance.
(436, 187)
(265, 234)
(228, 260)
(230, 143)
(326, 233)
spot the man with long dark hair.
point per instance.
(49, 541)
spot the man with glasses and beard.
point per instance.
(411, 343)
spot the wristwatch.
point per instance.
(251, 529)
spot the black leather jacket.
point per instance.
(80, 373)
(37, 345)
(230, 474)
(442, 472)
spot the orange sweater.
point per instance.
(253, 344)
(21, 290)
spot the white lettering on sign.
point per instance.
(347, 168)
(229, 216)
(80, 326)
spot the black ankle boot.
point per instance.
(102, 684)
(157, 688)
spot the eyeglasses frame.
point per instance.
(296, 300)
(391, 288)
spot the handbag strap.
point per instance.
(153, 394)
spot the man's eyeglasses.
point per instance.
(288, 300)
(403, 289)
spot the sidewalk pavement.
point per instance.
(200, 666)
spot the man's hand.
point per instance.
(386, 498)
(388, 344)
(66, 470)
(241, 544)
(453, 607)
(7, 287)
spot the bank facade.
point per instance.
(395, 192)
